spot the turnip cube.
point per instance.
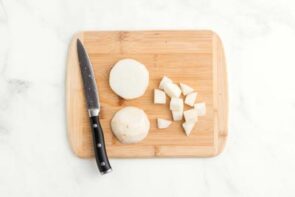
(165, 80)
(162, 123)
(188, 127)
(200, 108)
(176, 104)
(186, 89)
(177, 115)
(159, 97)
(191, 98)
(172, 90)
(190, 115)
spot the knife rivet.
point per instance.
(102, 163)
(95, 125)
(99, 145)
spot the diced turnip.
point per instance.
(159, 96)
(200, 108)
(190, 115)
(191, 98)
(165, 80)
(186, 89)
(176, 104)
(162, 123)
(188, 127)
(172, 90)
(177, 115)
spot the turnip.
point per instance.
(130, 125)
(172, 90)
(159, 96)
(188, 127)
(190, 99)
(129, 78)
(186, 89)
(190, 115)
(162, 123)
(176, 104)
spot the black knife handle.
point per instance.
(99, 146)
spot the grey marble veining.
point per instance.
(259, 41)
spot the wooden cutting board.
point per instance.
(195, 58)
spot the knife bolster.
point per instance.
(93, 112)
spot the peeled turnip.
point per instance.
(129, 78)
(172, 90)
(176, 104)
(130, 125)
(159, 97)
(190, 99)
(177, 115)
(190, 115)
(188, 127)
(165, 80)
(162, 123)
(186, 89)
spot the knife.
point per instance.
(93, 105)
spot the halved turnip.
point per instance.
(130, 125)
(162, 123)
(129, 78)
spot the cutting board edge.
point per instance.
(77, 150)
(220, 95)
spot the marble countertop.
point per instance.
(259, 41)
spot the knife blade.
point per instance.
(93, 106)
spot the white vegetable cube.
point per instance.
(172, 90)
(190, 99)
(186, 89)
(165, 80)
(201, 109)
(190, 115)
(159, 97)
(188, 127)
(177, 115)
(162, 123)
(176, 104)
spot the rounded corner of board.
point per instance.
(216, 36)
(221, 145)
(80, 151)
(77, 35)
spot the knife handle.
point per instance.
(99, 146)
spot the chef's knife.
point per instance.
(93, 105)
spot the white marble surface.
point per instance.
(259, 40)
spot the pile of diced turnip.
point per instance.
(167, 86)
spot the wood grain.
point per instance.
(192, 57)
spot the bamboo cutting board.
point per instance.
(195, 58)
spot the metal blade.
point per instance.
(90, 88)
